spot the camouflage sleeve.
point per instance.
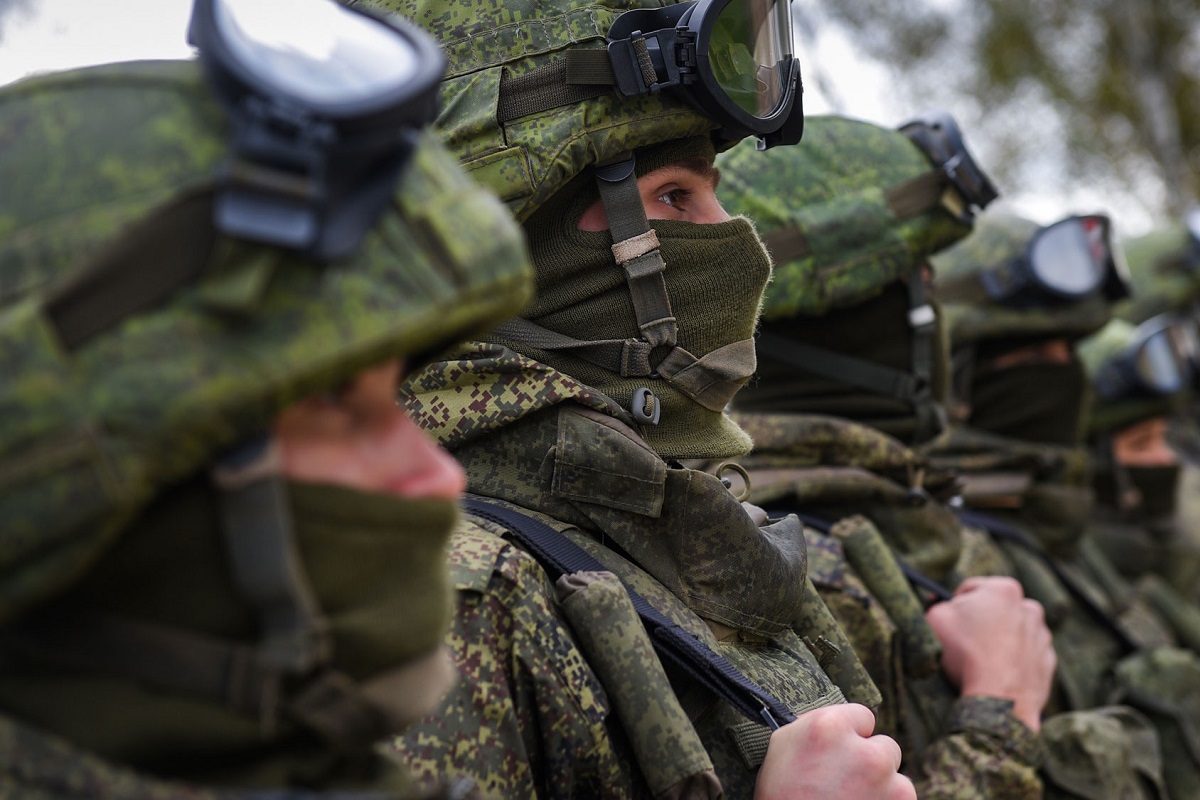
(528, 717)
(986, 752)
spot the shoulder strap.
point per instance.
(559, 556)
(1003, 531)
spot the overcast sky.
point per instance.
(41, 35)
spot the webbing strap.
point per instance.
(568, 81)
(1003, 531)
(786, 244)
(643, 274)
(916, 195)
(162, 252)
(626, 357)
(841, 367)
(171, 659)
(559, 556)
(914, 576)
(921, 318)
(265, 564)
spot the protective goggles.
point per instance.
(1161, 359)
(325, 102)
(1063, 262)
(939, 137)
(732, 60)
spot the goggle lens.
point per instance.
(1071, 257)
(1159, 363)
(749, 50)
(316, 51)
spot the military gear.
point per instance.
(1164, 267)
(1062, 262)
(854, 212)
(688, 546)
(90, 434)
(1158, 358)
(323, 124)
(997, 242)
(1037, 402)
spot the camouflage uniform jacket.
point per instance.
(532, 437)
(1114, 646)
(831, 468)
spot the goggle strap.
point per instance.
(917, 195)
(644, 274)
(965, 288)
(581, 75)
(857, 372)
(786, 244)
(129, 274)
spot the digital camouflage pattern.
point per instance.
(835, 469)
(997, 238)
(696, 553)
(526, 160)
(88, 437)
(839, 213)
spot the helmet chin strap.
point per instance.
(710, 380)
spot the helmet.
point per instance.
(855, 208)
(529, 99)
(1138, 372)
(1015, 279)
(138, 341)
(854, 213)
(1164, 267)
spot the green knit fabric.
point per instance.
(715, 278)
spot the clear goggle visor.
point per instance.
(318, 52)
(749, 52)
(1071, 258)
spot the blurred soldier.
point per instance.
(570, 420)
(222, 541)
(1018, 296)
(851, 217)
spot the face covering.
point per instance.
(715, 276)
(1042, 403)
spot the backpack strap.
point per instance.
(558, 555)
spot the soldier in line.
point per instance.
(222, 544)
(571, 420)
(851, 217)
(1018, 298)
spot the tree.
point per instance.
(1115, 83)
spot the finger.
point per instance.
(970, 585)
(889, 749)
(860, 718)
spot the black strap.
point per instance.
(1004, 531)
(564, 82)
(846, 369)
(915, 576)
(559, 556)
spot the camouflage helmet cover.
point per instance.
(837, 212)
(527, 157)
(1164, 267)
(997, 238)
(1113, 413)
(89, 434)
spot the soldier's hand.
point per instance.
(830, 754)
(995, 643)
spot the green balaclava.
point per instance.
(658, 317)
(850, 218)
(126, 594)
(714, 278)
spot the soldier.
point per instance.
(851, 217)
(571, 419)
(222, 541)
(1018, 296)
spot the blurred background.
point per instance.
(1071, 105)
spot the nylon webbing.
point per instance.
(165, 250)
(915, 576)
(846, 369)
(626, 357)
(921, 319)
(559, 555)
(916, 195)
(1004, 531)
(564, 82)
(264, 561)
(786, 244)
(644, 275)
